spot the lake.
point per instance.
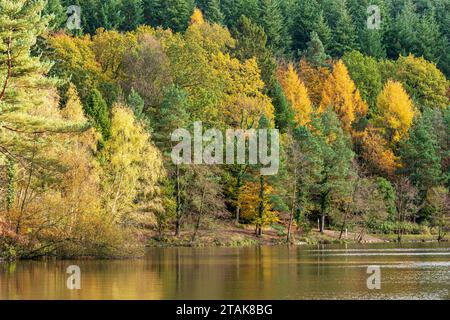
(409, 271)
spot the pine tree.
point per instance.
(284, 116)
(420, 155)
(344, 36)
(133, 14)
(252, 42)
(323, 31)
(23, 122)
(305, 18)
(315, 52)
(56, 10)
(271, 19)
(97, 110)
(213, 11)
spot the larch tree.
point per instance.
(297, 94)
(340, 94)
(395, 111)
(314, 78)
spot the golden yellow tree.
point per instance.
(377, 153)
(395, 111)
(249, 202)
(313, 78)
(340, 93)
(197, 17)
(296, 93)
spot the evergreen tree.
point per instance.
(97, 110)
(213, 12)
(22, 126)
(284, 116)
(344, 31)
(234, 9)
(251, 42)
(271, 19)
(57, 12)
(133, 14)
(323, 31)
(315, 52)
(306, 14)
(420, 155)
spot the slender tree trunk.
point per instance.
(200, 214)
(322, 223)
(238, 207)
(344, 224)
(293, 206)
(178, 202)
(261, 206)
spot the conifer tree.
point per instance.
(341, 94)
(97, 110)
(213, 11)
(133, 14)
(315, 52)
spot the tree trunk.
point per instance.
(200, 213)
(178, 204)
(261, 206)
(322, 223)
(293, 206)
(344, 224)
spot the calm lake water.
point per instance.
(418, 271)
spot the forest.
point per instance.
(86, 116)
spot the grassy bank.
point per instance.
(232, 235)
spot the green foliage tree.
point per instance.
(97, 110)
(420, 155)
(315, 52)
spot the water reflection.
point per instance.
(409, 272)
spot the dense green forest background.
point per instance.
(86, 117)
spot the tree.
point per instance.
(197, 17)
(438, 202)
(366, 73)
(133, 14)
(175, 14)
(405, 204)
(378, 154)
(213, 11)
(132, 169)
(98, 112)
(420, 155)
(395, 111)
(297, 95)
(314, 79)
(341, 94)
(172, 115)
(344, 32)
(55, 9)
(147, 71)
(423, 81)
(305, 13)
(251, 42)
(271, 19)
(284, 115)
(333, 184)
(315, 52)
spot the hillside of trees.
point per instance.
(86, 118)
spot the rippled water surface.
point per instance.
(418, 271)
